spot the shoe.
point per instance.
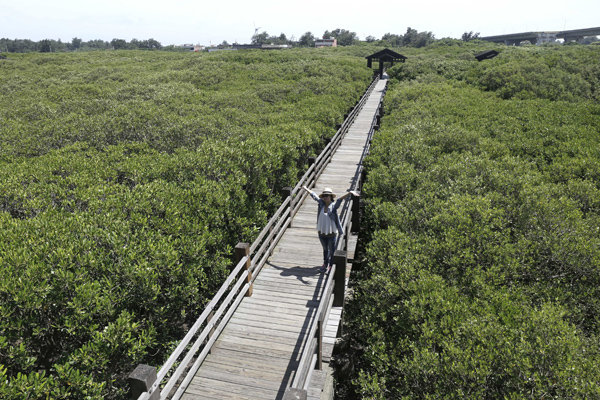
(328, 269)
(323, 268)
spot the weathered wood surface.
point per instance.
(256, 356)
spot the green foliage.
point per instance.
(343, 36)
(126, 179)
(550, 72)
(482, 263)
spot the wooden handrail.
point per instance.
(225, 306)
(205, 332)
(181, 389)
(306, 355)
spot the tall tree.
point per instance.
(344, 37)
(413, 38)
(118, 44)
(468, 36)
(392, 39)
(76, 43)
(45, 46)
(260, 38)
(154, 44)
(307, 40)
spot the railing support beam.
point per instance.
(340, 259)
(285, 193)
(242, 250)
(320, 333)
(355, 227)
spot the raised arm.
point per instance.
(312, 194)
(354, 192)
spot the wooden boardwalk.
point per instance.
(258, 352)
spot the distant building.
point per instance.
(190, 47)
(331, 42)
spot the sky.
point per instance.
(203, 22)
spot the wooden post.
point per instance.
(242, 250)
(340, 258)
(338, 127)
(141, 380)
(363, 177)
(212, 331)
(347, 233)
(355, 226)
(320, 333)
(285, 193)
(295, 394)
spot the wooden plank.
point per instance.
(287, 301)
(213, 389)
(291, 272)
(262, 347)
(303, 281)
(317, 383)
(272, 323)
(246, 313)
(298, 308)
(224, 355)
(267, 372)
(274, 308)
(242, 348)
(278, 296)
(273, 337)
(263, 333)
(250, 382)
(250, 318)
(274, 287)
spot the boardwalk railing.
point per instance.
(145, 381)
(333, 291)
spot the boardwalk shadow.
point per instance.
(304, 275)
(301, 273)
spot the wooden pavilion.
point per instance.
(383, 56)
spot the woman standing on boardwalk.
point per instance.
(328, 222)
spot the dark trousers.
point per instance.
(328, 243)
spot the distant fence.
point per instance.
(147, 384)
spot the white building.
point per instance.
(331, 42)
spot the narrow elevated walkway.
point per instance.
(257, 354)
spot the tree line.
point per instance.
(76, 44)
(412, 38)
